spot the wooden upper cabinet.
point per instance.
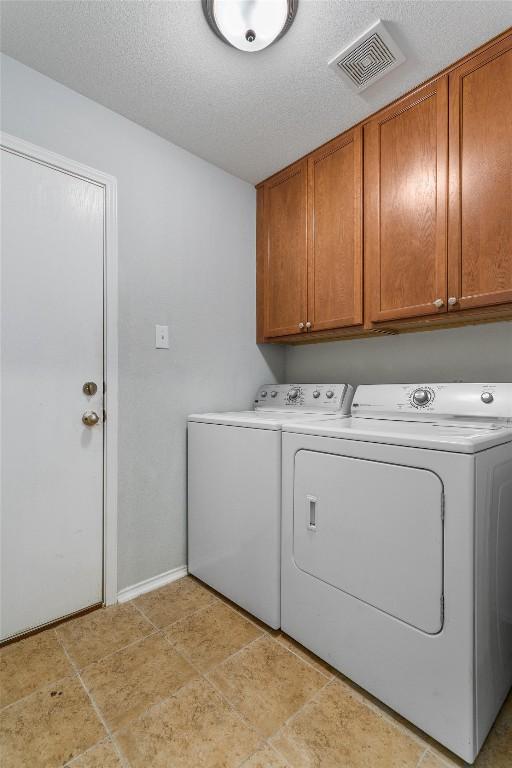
(405, 199)
(423, 189)
(284, 251)
(335, 239)
(480, 209)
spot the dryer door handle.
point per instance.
(311, 512)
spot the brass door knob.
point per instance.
(90, 418)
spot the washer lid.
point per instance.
(259, 419)
(444, 435)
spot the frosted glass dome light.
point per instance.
(250, 25)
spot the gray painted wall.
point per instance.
(186, 258)
(475, 353)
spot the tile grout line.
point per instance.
(75, 665)
(306, 661)
(95, 707)
(203, 675)
(266, 738)
(384, 715)
(210, 669)
(240, 612)
(106, 740)
(269, 634)
(167, 626)
(190, 615)
(272, 749)
(232, 655)
(72, 673)
(446, 762)
(264, 634)
(421, 758)
(296, 714)
(118, 650)
(132, 602)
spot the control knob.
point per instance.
(329, 394)
(273, 393)
(487, 397)
(421, 397)
(263, 393)
(293, 394)
(316, 394)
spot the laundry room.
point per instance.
(256, 495)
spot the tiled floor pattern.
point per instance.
(180, 678)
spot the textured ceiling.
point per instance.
(159, 64)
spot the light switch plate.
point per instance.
(162, 336)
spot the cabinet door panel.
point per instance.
(405, 205)
(334, 256)
(286, 251)
(480, 218)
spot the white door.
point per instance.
(51, 345)
(373, 530)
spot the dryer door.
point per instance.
(373, 530)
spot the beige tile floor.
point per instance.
(180, 678)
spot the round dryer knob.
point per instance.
(329, 394)
(263, 393)
(316, 394)
(293, 394)
(486, 397)
(421, 397)
(273, 393)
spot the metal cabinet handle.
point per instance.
(438, 303)
(452, 301)
(90, 418)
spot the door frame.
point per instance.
(110, 340)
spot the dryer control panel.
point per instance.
(432, 401)
(304, 398)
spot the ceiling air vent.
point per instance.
(368, 58)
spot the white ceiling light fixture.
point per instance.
(250, 25)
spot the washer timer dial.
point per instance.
(422, 397)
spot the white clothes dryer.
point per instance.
(234, 491)
(397, 550)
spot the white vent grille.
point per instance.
(368, 58)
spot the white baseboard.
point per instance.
(128, 593)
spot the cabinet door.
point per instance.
(480, 214)
(335, 243)
(285, 262)
(405, 177)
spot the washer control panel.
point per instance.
(325, 398)
(431, 401)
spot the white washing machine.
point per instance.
(234, 491)
(397, 550)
